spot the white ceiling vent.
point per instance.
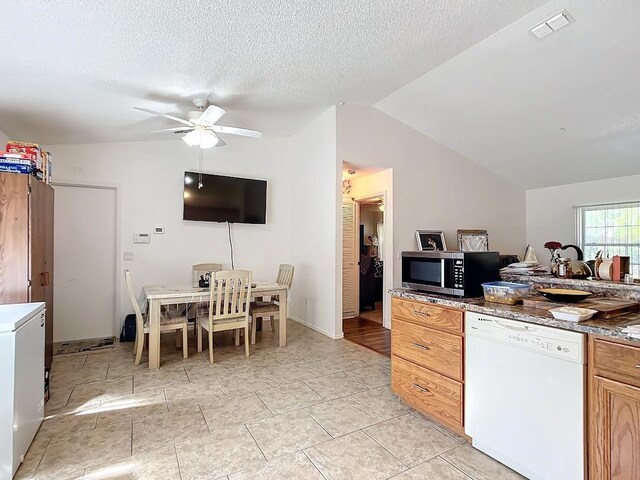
(552, 24)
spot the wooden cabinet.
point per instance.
(427, 344)
(26, 246)
(614, 410)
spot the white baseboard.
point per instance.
(317, 329)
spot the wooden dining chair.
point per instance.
(202, 269)
(228, 307)
(270, 309)
(167, 322)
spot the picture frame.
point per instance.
(431, 240)
(473, 240)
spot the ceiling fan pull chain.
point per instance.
(200, 171)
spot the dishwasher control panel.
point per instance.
(547, 340)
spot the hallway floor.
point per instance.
(368, 333)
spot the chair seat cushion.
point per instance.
(265, 307)
(167, 320)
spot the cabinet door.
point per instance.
(14, 238)
(615, 423)
(41, 247)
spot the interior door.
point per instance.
(85, 259)
(348, 259)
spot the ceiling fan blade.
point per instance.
(212, 114)
(244, 132)
(220, 143)
(170, 117)
(174, 130)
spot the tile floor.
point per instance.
(316, 409)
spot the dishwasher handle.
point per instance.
(517, 328)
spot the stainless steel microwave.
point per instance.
(451, 273)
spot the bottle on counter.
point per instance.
(564, 267)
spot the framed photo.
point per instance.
(431, 240)
(473, 241)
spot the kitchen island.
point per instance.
(429, 347)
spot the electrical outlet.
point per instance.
(127, 256)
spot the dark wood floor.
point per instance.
(368, 333)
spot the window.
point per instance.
(613, 228)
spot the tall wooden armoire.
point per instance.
(26, 246)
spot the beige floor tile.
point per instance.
(294, 467)
(292, 354)
(354, 456)
(68, 420)
(344, 415)
(438, 426)
(126, 369)
(95, 393)
(68, 454)
(259, 359)
(290, 397)
(410, 439)
(234, 411)
(159, 464)
(226, 451)
(383, 401)
(67, 362)
(436, 469)
(58, 398)
(373, 377)
(287, 433)
(193, 394)
(132, 406)
(478, 465)
(335, 385)
(290, 372)
(209, 372)
(242, 383)
(322, 349)
(75, 376)
(165, 428)
(32, 458)
(365, 358)
(331, 364)
(154, 379)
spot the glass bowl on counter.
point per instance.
(509, 293)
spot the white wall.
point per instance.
(4, 138)
(381, 183)
(550, 212)
(434, 187)
(316, 224)
(149, 176)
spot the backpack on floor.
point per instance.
(128, 333)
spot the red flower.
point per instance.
(553, 245)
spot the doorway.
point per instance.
(85, 254)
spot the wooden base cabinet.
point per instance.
(614, 409)
(427, 369)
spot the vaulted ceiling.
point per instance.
(539, 112)
(72, 70)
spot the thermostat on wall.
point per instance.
(158, 230)
(141, 238)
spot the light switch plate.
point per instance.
(127, 256)
(141, 238)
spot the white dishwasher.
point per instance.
(524, 396)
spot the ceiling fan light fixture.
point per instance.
(192, 138)
(208, 139)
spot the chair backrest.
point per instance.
(285, 275)
(203, 269)
(230, 294)
(134, 302)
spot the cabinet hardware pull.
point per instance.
(638, 365)
(420, 387)
(425, 314)
(422, 347)
(44, 279)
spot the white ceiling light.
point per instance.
(202, 138)
(552, 24)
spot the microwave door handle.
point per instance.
(442, 269)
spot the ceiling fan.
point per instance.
(199, 128)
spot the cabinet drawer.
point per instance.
(427, 315)
(617, 358)
(438, 351)
(428, 392)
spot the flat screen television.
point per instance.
(224, 199)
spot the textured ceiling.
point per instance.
(558, 110)
(73, 70)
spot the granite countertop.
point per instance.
(607, 328)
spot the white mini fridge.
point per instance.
(21, 381)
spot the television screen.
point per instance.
(224, 199)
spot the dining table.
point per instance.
(153, 297)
